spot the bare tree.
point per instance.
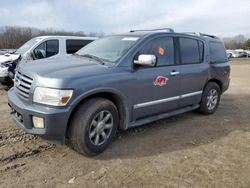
(236, 42)
(14, 36)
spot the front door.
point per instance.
(157, 88)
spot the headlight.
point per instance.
(53, 97)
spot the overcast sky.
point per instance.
(220, 17)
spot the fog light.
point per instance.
(38, 122)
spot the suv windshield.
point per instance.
(24, 48)
(109, 48)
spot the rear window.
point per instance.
(217, 52)
(191, 50)
(73, 45)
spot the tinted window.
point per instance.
(162, 48)
(73, 46)
(52, 47)
(201, 51)
(217, 52)
(47, 49)
(191, 50)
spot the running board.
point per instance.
(162, 116)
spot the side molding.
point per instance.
(150, 103)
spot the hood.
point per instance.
(63, 68)
(8, 57)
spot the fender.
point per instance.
(125, 102)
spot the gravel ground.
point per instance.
(188, 150)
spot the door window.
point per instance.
(162, 48)
(47, 49)
(191, 50)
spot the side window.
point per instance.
(52, 48)
(40, 51)
(217, 52)
(191, 50)
(47, 49)
(162, 48)
(73, 45)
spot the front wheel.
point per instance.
(210, 98)
(93, 126)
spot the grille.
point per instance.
(22, 84)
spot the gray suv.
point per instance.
(119, 82)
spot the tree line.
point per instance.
(12, 37)
(237, 42)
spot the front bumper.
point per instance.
(55, 119)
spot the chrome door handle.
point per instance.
(174, 73)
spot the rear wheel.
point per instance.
(210, 98)
(93, 126)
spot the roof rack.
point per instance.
(200, 34)
(161, 29)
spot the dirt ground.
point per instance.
(189, 150)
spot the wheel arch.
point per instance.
(217, 81)
(113, 96)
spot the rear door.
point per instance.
(193, 70)
(157, 88)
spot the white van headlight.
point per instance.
(53, 97)
(3, 71)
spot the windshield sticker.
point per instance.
(130, 38)
(161, 51)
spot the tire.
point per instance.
(6, 84)
(89, 121)
(210, 98)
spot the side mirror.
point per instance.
(146, 60)
(31, 56)
(39, 53)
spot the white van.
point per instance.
(40, 48)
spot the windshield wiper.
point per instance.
(93, 57)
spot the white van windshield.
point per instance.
(26, 46)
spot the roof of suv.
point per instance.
(140, 33)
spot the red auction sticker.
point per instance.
(160, 81)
